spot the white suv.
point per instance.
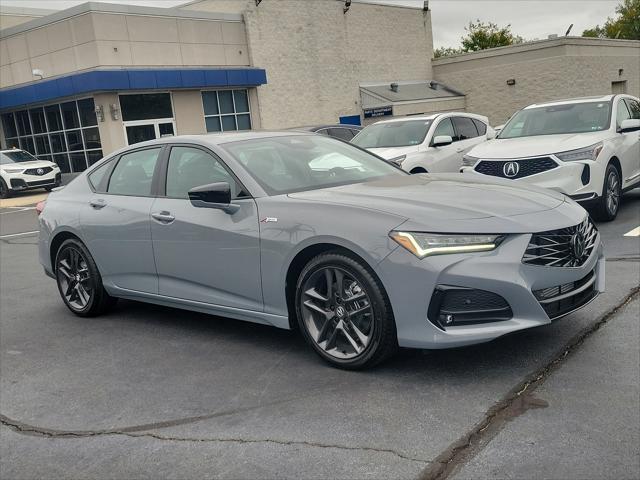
(19, 170)
(420, 144)
(586, 148)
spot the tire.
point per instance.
(4, 190)
(608, 204)
(351, 327)
(418, 170)
(76, 272)
(48, 189)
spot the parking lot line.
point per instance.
(18, 234)
(633, 233)
(17, 210)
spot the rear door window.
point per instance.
(465, 127)
(133, 175)
(341, 133)
(480, 126)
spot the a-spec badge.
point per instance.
(268, 220)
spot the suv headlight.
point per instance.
(398, 160)
(588, 153)
(469, 161)
(13, 170)
(426, 244)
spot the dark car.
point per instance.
(343, 132)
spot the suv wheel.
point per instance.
(4, 190)
(609, 203)
(344, 313)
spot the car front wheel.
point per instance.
(79, 281)
(344, 313)
(609, 202)
(4, 190)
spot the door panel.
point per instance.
(208, 255)
(446, 158)
(118, 234)
(205, 254)
(630, 147)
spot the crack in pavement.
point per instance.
(516, 402)
(50, 433)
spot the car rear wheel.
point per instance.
(344, 313)
(4, 190)
(609, 202)
(79, 281)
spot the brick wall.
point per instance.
(543, 71)
(316, 56)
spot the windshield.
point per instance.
(306, 162)
(557, 119)
(393, 134)
(16, 156)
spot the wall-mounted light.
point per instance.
(620, 71)
(115, 111)
(425, 6)
(37, 72)
(347, 5)
(511, 81)
(100, 113)
(258, 2)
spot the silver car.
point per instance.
(298, 230)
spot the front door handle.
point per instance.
(98, 203)
(163, 217)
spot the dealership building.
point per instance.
(79, 83)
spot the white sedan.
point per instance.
(421, 144)
(19, 170)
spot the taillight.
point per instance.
(40, 207)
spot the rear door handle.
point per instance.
(163, 217)
(98, 203)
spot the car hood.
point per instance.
(450, 202)
(392, 152)
(25, 165)
(536, 145)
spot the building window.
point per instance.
(226, 110)
(146, 116)
(64, 133)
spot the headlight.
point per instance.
(398, 160)
(469, 161)
(13, 170)
(426, 244)
(588, 153)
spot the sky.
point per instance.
(528, 18)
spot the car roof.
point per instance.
(599, 98)
(313, 128)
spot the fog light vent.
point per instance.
(452, 306)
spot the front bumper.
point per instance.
(411, 283)
(22, 182)
(580, 180)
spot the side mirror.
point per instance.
(630, 125)
(491, 133)
(214, 195)
(442, 141)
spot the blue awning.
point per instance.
(129, 79)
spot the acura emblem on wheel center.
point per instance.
(511, 169)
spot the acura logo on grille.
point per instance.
(577, 245)
(511, 169)
(40, 171)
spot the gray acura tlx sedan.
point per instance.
(300, 230)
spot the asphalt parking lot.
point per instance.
(150, 392)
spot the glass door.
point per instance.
(146, 116)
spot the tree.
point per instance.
(626, 25)
(481, 36)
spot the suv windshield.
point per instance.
(393, 134)
(306, 162)
(558, 119)
(16, 156)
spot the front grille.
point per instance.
(524, 168)
(34, 171)
(451, 306)
(567, 247)
(41, 182)
(563, 299)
